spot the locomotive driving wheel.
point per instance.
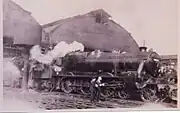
(107, 92)
(148, 95)
(85, 88)
(66, 86)
(123, 94)
(49, 84)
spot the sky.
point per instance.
(154, 21)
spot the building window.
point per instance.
(46, 37)
(98, 18)
(8, 41)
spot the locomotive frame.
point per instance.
(121, 82)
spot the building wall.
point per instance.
(10, 52)
(166, 62)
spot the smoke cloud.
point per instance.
(11, 72)
(60, 50)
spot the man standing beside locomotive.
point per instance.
(95, 89)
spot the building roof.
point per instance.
(84, 29)
(74, 17)
(167, 57)
(100, 11)
(20, 25)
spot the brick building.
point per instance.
(167, 59)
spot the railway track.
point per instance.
(60, 100)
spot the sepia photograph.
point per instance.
(90, 55)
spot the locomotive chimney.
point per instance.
(143, 48)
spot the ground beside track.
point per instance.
(17, 100)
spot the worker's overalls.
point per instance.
(98, 90)
(92, 90)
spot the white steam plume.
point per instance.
(11, 72)
(60, 50)
(77, 46)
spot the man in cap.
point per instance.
(98, 87)
(95, 88)
(151, 67)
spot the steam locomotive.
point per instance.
(124, 74)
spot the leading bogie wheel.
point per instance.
(148, 95)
